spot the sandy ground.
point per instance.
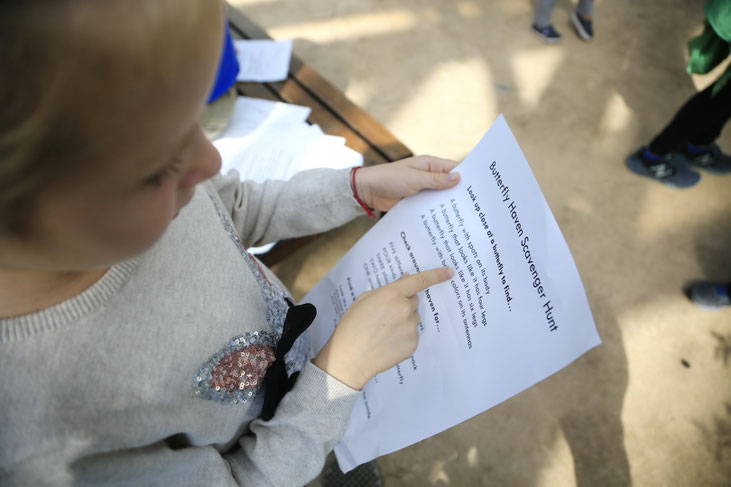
(437, 73)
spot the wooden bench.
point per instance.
(331, 110)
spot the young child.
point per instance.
(135, 330)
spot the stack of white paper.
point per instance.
(272, 140)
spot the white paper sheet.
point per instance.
(515, 312)
(272, 153)
(271, 140)
(263, 60)
(330, 151)
(250, 114)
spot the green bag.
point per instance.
(710, 48)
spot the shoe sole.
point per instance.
(698, 295)
(720, 169)
(707, 307)
(634, 164)
(580, 28)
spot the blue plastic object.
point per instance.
(228, 69)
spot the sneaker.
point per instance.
(582, 25)
(669, 171)
(709, 295)
(713, 161)
(547, 34)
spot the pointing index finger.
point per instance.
(415, 283)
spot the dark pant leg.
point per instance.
(709, 132)
(699, 121)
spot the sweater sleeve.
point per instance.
(311, 202)
(288, 450)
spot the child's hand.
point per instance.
(378, 331)
(383, 185)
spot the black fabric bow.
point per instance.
(276, 383)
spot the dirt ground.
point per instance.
(651, 406)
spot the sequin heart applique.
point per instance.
(235, 373)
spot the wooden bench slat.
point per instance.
(257, 90)
(243, 25)
(359, 120)
(319, 89)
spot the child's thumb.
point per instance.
(439, 180)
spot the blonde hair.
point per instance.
(61, 61)
(29, 137)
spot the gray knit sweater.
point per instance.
(117, 385)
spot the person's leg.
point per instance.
(581, 18)
(585, 8)
(542, 26)
(691, 135)
(701, 117)
(542, 15)
(660, 160)
(701, 149)
(708, 131)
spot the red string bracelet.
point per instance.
(355, 192)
